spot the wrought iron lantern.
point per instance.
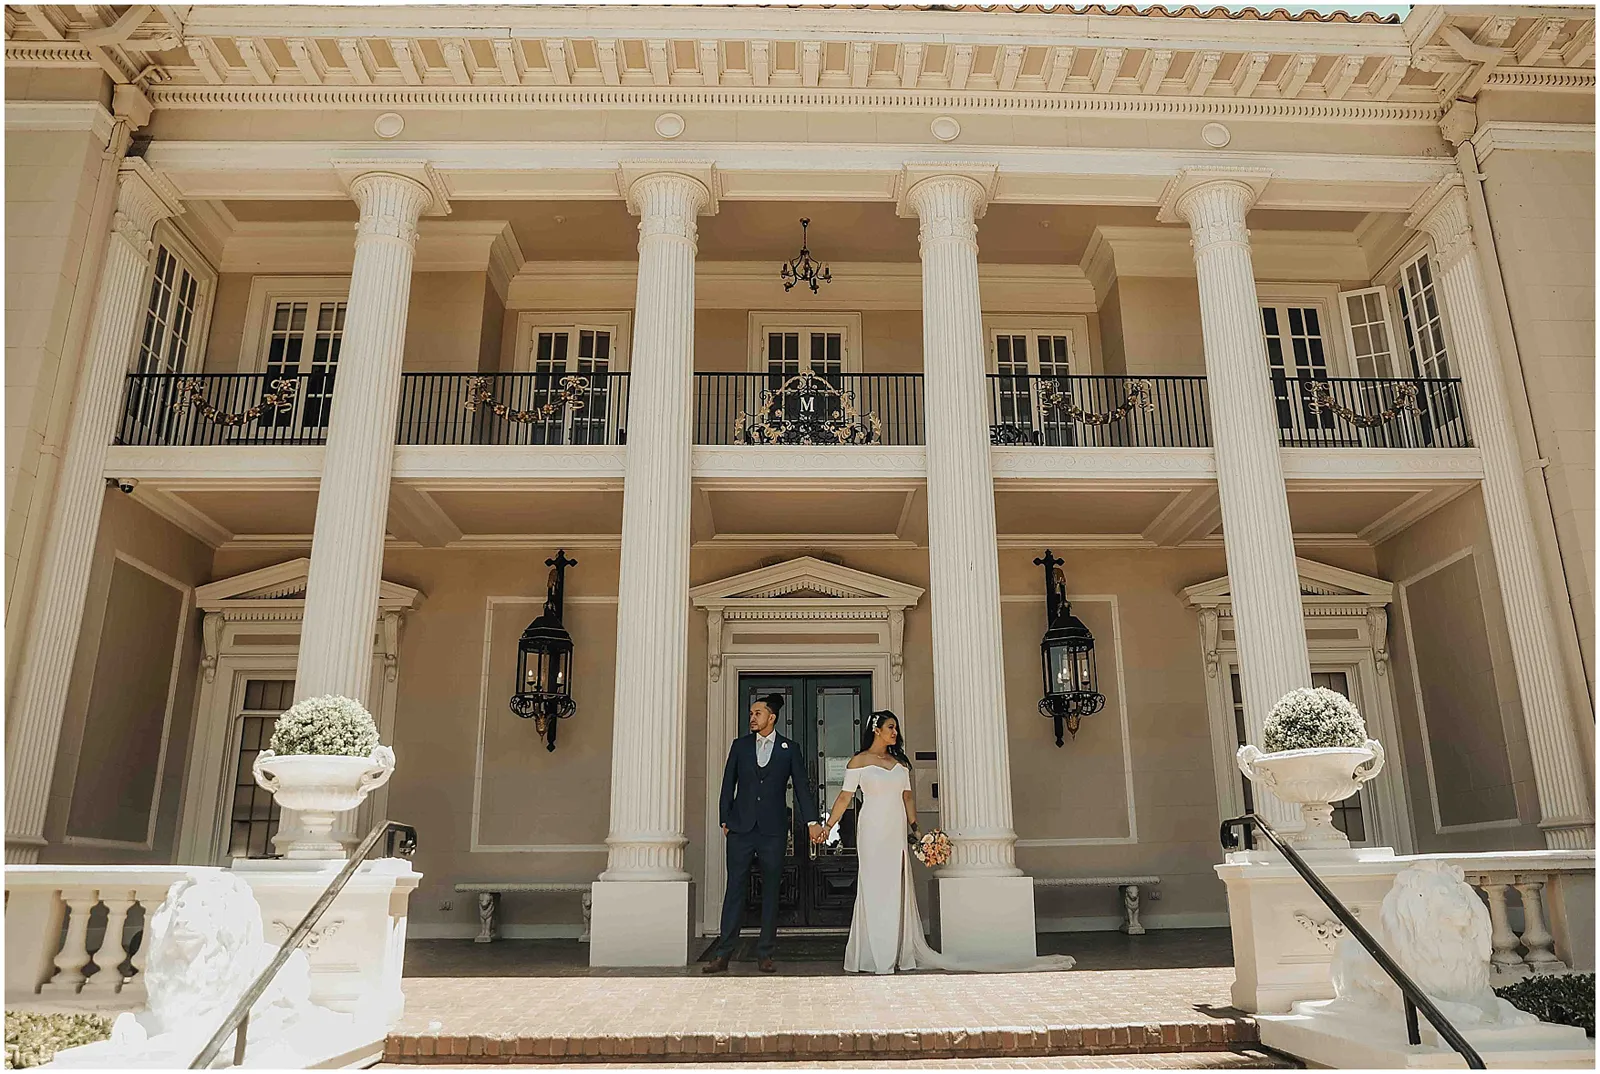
(803, 268)
(1071, 685)
(544, 660)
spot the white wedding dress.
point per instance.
(886, 930)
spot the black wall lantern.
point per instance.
(544, 660)
(1071, 686)
(803, 268)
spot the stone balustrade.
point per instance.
(1540, 907)
(73, 932)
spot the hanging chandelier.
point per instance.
(803, 268)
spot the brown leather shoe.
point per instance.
(768, 966)
(716, 965)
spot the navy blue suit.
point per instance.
(754, 809)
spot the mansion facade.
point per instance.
(328, 327)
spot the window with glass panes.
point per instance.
(819, 350)
(253, 817)
(168, 335)
(1424, 332)
(1018, 358)
(1295, 349)
(303, 346)
(1348, 815)
(572, 350)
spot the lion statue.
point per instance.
(1434, 925)
(205, 949)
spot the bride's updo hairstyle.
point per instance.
(870, 732)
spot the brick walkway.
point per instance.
(560, 1012)
(1239, 1059)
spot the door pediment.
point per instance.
(809, 581)
(1320, 585)
(282, 588)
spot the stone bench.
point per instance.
(1128, 885)
(489, 892)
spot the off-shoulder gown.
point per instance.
(886, 930)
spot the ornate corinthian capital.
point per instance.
(143, 198)
(390, 206)
(1442, 213)
(668, 204)
(948, 207)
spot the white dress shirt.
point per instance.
(764, 744)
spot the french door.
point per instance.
(1349, 816)
(1297, 355)
(303, 347)
(822, 715)
(588, 351)
(1023, 361)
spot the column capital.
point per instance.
(1192, 186)
(420, 172)
(643, 183)
(390, 205)
(1442, 213)
(143, 199)
(914, 185)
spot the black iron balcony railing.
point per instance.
(513, 408)
(204, 409)
(1098, 411)
(1366, 412)
(827, 408)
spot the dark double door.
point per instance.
(822, 715)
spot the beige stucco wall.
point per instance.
(109, 701)
(1465, 654)
(451, 318)
(55, 237)
(1156, 321)
(1541, 206)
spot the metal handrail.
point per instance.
(1415, 998)
(239, 1018)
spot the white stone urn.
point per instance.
(1314, 779)
(318, 787)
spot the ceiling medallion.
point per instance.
(669, 124)
(389, 125)
(803, 268)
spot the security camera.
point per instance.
(123, 484)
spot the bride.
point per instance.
(886, 930)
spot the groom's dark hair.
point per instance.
(773, 702)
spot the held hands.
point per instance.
(819, 833)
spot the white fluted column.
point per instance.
(641, 902)
(1257, 538)
(341, 613)
(982, 887)
(143, 198)
(1566, 805)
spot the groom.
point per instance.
(755, 822)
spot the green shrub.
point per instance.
(330, 726)
(1566, 998)
(1313, 718)
(34, 1039)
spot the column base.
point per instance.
(637, 923)
(986, 919)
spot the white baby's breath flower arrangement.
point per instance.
(328, 726)
(1313, 718)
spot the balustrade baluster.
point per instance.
(73, 957)
(1535, 936)
(112, 953)
(1502, 939)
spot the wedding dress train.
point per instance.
(886, 929)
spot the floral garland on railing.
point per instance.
(1405, 398)
(574, 391)
(1141, 394)
(839, 423)
(279, 400)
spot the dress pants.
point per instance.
(745, 848)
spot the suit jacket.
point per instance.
(752, 796)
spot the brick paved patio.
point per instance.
(540, 1003)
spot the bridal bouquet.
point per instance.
(932, 849)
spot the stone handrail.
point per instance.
(52, 922)
(1555, 890)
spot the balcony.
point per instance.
(500, 409)
(1351, 412)
(808, 408)
(590, 409)
(1098, 411)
